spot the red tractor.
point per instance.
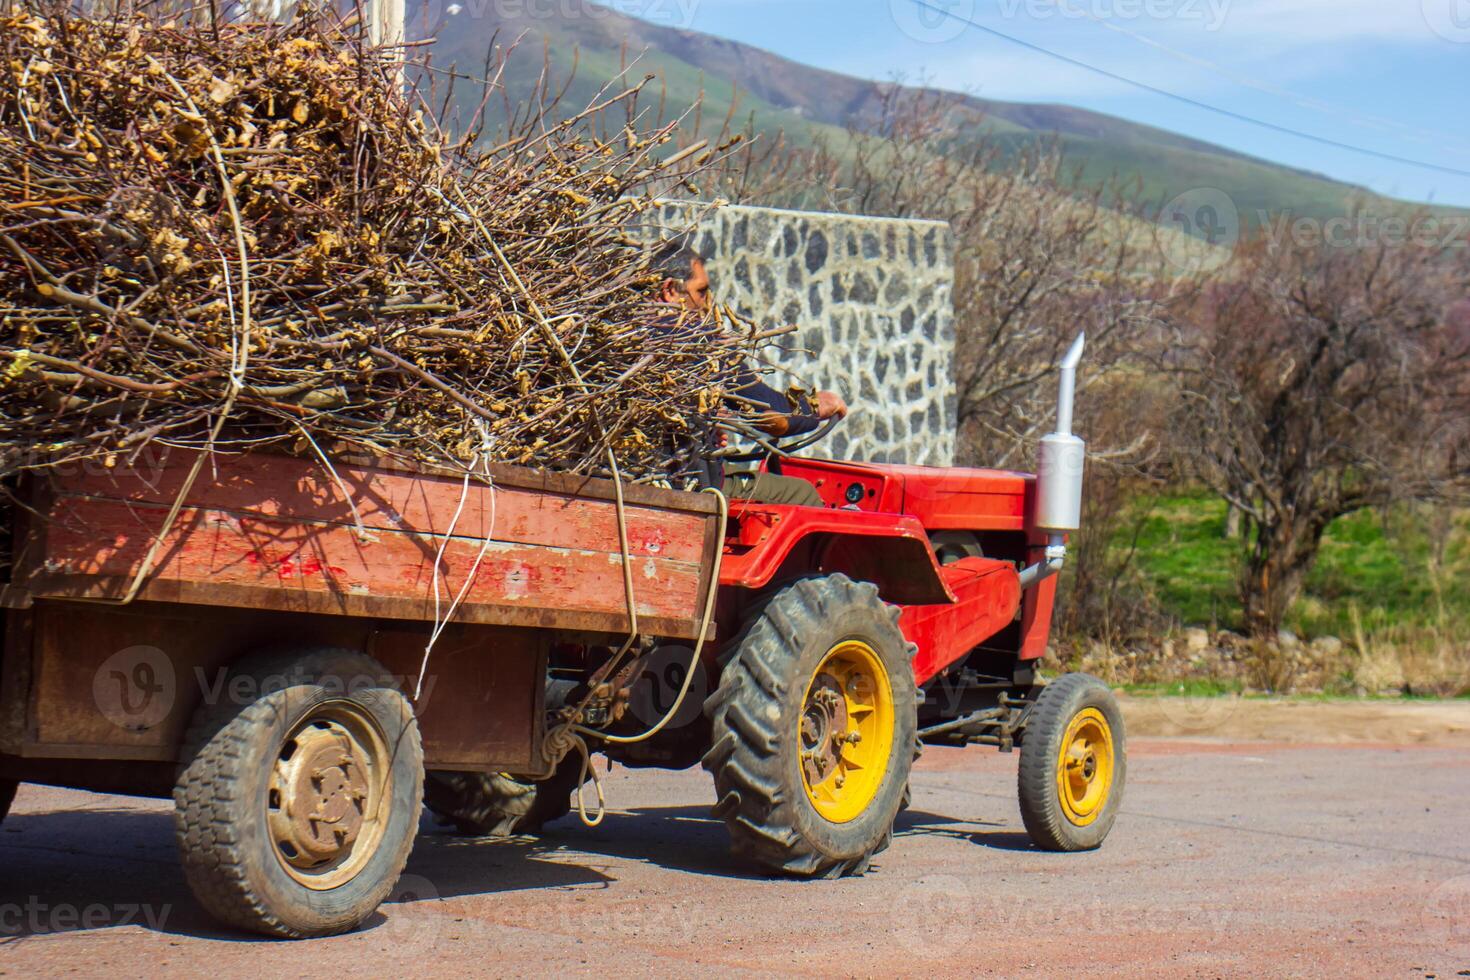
(302, 659)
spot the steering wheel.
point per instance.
(773, 448)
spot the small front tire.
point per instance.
(1074, 764)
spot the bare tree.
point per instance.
(1038, 257)
(1320, 380)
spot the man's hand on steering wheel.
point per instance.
(830, 404)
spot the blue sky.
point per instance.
(1389, 75)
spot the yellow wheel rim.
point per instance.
(1085, 766)
(846, 731)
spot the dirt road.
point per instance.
(1231, 859)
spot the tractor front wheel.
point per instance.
(1073, 764)
(814, 729)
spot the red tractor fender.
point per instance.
(770, 542)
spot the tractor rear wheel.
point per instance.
(1073, 764)
(814, 729)
(499, 804)
(7, 796)
(298, 800)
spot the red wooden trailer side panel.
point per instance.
(271, 532)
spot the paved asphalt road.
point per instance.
(1228, 859)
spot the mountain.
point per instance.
(807, 103)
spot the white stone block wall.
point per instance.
(872, 299)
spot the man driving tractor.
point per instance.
(685, 285)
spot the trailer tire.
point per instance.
(1074, 764)
(323, 732)
(820, 659)
(498, 804)
(7, 796)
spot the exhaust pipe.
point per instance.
(1059, 464)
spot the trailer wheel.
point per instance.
(1073, 764)
(814, 729)
(297, 804)
(7, 796)
(499, 804)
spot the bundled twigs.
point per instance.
(237, 235)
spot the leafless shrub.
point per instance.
(1316, 382)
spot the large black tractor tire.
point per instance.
(7, 796)
(297, 804)
(1074, 764)
(501, 805)
(817, 662)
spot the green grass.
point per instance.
(1232, 688)
(1185, 689)
(1187, 561)
(1379, 567)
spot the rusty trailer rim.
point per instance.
(326, 803)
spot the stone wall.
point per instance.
(872, 300)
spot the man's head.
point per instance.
(683, 281)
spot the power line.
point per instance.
(1228, 113)
(1305, 102)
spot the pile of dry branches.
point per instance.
(244, 235)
